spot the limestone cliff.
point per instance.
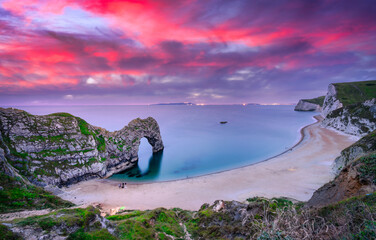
(356, 119)
(314, 104)
(60, 149)
(331, 102)
(345, 94)
(351, 107)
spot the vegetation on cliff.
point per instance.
(318, 100)
(16, 196)
(354, 92)
(71, 224)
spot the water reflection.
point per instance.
(152, 172)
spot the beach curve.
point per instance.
(296, 173)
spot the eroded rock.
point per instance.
(60, 149)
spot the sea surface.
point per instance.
(195, 141)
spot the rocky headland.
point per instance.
(61, 149)
(347, 107)
(314, 104)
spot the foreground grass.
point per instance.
(16, 196)
(259, 218)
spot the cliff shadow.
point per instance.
(152, 172)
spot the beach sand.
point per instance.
(295, 174)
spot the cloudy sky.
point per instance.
(212, 51)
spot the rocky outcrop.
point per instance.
(303, 105)
(63, 224)
(355, 173)
(356, 119)
(8, 169)
(60, 149)
(331, 102)
(362, 147)
(355, 179)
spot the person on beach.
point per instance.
(119, 185)
(125, 185)
(122, 185)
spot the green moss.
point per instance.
(84, 127)
(53, 152)
(101, 143)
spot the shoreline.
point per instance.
(295, 173)
(303, 137)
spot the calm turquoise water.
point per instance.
(195, 142)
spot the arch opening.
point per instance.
(148, 164)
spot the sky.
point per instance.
(116, 52)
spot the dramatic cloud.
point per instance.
(148, 51)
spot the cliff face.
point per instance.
(303, 105)
(61, 149)
(362, 147)
(355, 173)
(355, 179)
(351, 107)
(357, 119)
(331, 102)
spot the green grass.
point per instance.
(355, 92)
(61, 114)
(148, 224)
(17, 196)
(318, 100)
(102, 234)
(266, 219)
(367, 167)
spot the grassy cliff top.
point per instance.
(16, 196)
(353, 92)
(318, 100)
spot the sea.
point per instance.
(195, 141)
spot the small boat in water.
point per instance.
(223, 122)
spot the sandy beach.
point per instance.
(296, 174)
